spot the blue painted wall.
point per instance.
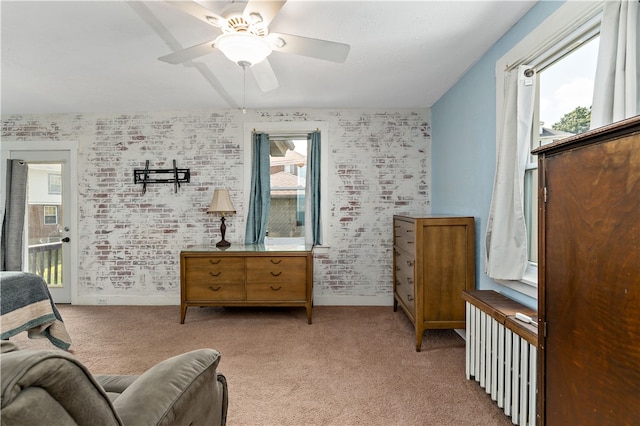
(464, 142)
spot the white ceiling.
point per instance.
(101, 56)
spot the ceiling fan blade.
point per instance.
(189, 53)
(194, 9)
(267, 9)
(312, 47)
(264, 75)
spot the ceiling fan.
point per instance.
(247, 41)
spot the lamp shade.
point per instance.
(221, 203)
(243, 47)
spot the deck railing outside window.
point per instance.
(46, 260)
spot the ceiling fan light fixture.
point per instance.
(243, 47)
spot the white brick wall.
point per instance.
(129, 243)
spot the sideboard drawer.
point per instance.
(215, 270)
(276, 270)
(283, 291)
(219, 291)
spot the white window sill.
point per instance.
(321, 249)
(528, 285)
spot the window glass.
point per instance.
(288, 177)
(55, 184)
(50, 215)
(565, 92)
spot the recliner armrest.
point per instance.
(114, 383)
(185, 389)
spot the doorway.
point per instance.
(49, 245)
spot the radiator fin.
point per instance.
(503, 363)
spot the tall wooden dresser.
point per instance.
(433, 262)
(589, 278)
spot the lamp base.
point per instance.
(223, 243)
(223, 229)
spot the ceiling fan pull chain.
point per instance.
(244, 89)
(244, 85)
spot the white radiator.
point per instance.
(503, 363)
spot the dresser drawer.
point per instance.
(404, 264)
(404, 235)
(405, 289)
(283, 291)
(214, 270)
(278, 270)
(214, 292)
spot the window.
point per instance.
(288, 162)
(295, 134)
(55, 184)
(563, 51)
(50, 215)
(563, 109)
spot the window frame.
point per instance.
(547, 43)
(51, 177)
(45, 215)
(290, 169)
(293, 127)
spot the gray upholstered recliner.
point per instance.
(52, 387)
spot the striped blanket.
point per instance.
(27, 306)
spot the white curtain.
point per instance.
(506, 236)
(616, 93)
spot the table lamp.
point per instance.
(221, 203)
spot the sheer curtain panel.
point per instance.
(616, 93)
(506, 236)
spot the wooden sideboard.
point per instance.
(246, 275)
(433, 262)
(589, 277)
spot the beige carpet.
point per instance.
(352, 366)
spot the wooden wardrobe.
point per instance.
(589, 278)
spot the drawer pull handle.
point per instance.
(276, 262)
(214, 262)
(276, 289)
(409, 298)
(276, 274)
(215, 275)
(215, 289)
(410, 263)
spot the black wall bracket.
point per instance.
(175, 176)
